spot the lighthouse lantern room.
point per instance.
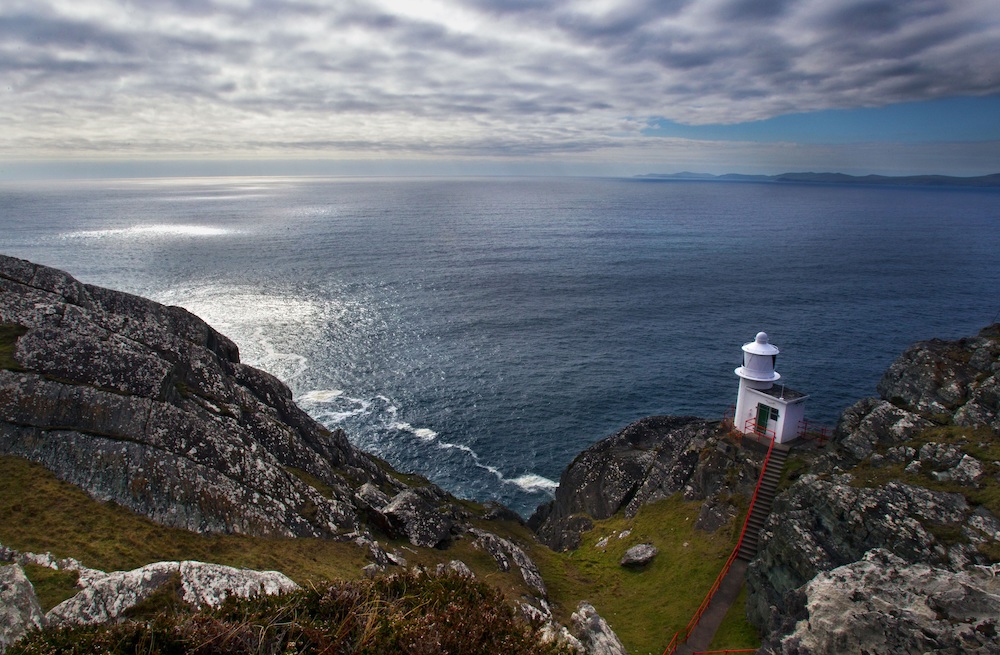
(763, 407)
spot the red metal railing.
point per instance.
(752, 426)
(814, 431)
(682, 636)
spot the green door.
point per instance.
(763, 413)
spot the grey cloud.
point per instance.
(753, 10)
(42, 32)
(341, 75)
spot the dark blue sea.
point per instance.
(482, 332)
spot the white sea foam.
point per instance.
(424, 434)
(321, 395)
(150, 230)
(533, 483)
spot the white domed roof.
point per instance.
(760, 346)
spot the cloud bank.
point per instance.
(443, 78)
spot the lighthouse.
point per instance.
(763, 407)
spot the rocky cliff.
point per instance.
(889, 543)
(647, 461)
(147, 406)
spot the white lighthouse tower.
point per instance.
(762, 407)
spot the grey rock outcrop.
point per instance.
(19, 608)
(647, 461)
(411, 516)
(871, 423)
(147, 406)
(959, 379)
(830, 519)
(505, 553)
(106, 596)
(594, 633)
(819, 525)
(882, 604)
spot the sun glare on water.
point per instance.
(151, 230)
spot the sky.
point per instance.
(447, 87)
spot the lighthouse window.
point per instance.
(774, 414)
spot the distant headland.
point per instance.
(838, 178)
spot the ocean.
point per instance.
(483, 331)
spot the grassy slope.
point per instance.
(39, 513)
(645, 607)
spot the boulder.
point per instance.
(639, 555)
(107, 596)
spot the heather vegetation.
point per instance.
(407, 613)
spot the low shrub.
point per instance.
(411, 613)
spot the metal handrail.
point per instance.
(693, 623)
(810, 430)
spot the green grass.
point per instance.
(644, 607)
(52, 587)
(9, 332)
(39, 513)
(736, 632)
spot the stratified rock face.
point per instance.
(647, 461)
(960, 379)
(884, 605)
(148, 406)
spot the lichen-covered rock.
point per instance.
(505, 552)
(818, 525)
(871, 423)
(883, 605)
(106, 596)
(957, 379)
(147, 406)
(594, 633)
(647, 461)
(416, 519)
(639, 555)
(456, 567)
(19, 608)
